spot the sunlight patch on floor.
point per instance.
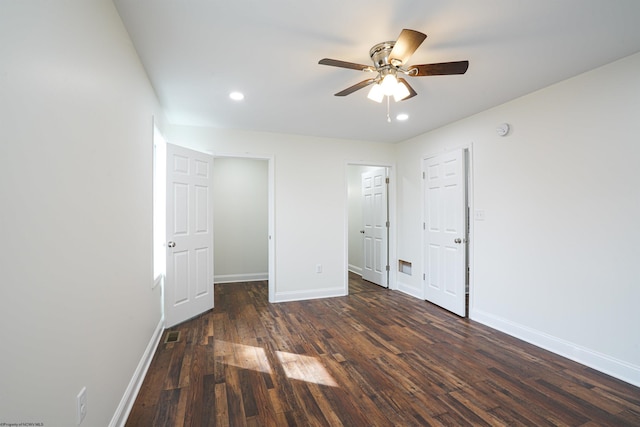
(243, 356)
(305, 368)
(295, 366)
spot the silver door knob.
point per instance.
(171, 244)
(458, 240)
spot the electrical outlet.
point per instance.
(81, 403)
(478, 215)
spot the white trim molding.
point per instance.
(414, 291)
(233, 278)
(355, 269)
(126, 403)
(305, 295)
(620, 369)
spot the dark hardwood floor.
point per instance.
(373, 358)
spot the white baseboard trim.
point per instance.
(410, 290)
(355, 269)
(233, 278)
(620, 369)
(130, 394)
(304, 295)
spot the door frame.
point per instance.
(468, 152)
(271, 213)
(391, 200)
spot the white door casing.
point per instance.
(445, 227)
(375, 225)
(188, 288)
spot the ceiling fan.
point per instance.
(390, 63)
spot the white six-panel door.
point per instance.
(189, 281)
(374, 193)
(445, 235)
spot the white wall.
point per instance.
(76, 303)
(555, 260)
(310, 200)
(240, 192)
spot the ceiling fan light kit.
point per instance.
(376, 93)
(400, 92)
(389, 59)
(388, 86)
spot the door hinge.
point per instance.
(388, 224)
(386, 180)
(423, 175)
(424, 276)
(424, 225)
(388, 268)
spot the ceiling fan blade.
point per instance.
(344, 64)
(440, 69)
(355, 87)
(406, 45)
(412, 92)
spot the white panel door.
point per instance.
(189, 283)
(445, 228)
(374, 215)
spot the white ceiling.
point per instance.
(197, 51)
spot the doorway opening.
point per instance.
(243, 217)
(368, 229)
(204, 215)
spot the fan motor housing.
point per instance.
(380, 54)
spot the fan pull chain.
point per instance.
(388, 110)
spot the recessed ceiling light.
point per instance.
(402, 117)
(236, 96)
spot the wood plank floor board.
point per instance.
(630, 417)
(591, 395)
(167, 406)
(222, 406)
(514, 410)
(235, 403)
(354, 392)
(373, 358)
(537, 396)
(350, 413)
(464, 412)
(208, 401)
(594, 413)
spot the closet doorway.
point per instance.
(368, 223)
(242, 218)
